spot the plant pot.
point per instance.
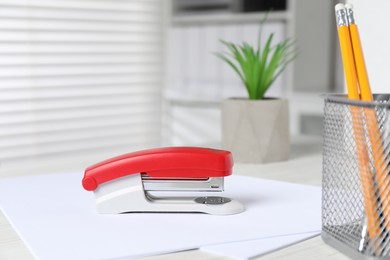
(256, 131)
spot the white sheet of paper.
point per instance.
(257, 247)
(56, 218)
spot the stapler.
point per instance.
(157, 180)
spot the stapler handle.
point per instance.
(169, 162)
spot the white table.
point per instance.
(304, 166)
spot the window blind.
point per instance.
(80, 80)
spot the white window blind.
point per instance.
(80, 80)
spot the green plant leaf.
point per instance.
(273, 64)
(283, 67)
(259, 67)
(231, 64)
(247, 67)
(261, 87)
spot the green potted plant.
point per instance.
(256, 129)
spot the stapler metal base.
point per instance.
(128, 194)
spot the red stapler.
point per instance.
(136, 182)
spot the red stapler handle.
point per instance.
(170, 162)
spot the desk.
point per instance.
(304, 166)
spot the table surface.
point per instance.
(304, 166)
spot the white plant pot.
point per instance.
(256, 131)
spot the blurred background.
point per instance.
(84, 80)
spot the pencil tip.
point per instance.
(339, 6)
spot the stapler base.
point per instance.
(127, 195)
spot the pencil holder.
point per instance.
(356, 181)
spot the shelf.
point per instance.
(210, 18)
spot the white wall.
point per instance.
(373, 20)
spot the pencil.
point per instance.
(368, 185)
(362, 76)
(346, 53)
(381, 169)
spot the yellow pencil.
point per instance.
(362, 76)
(368, 187)
(347, 53)
(381, 169)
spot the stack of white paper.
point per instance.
(252, 248)
(56, 218)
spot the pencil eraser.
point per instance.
(349, 6)
(339, 6)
